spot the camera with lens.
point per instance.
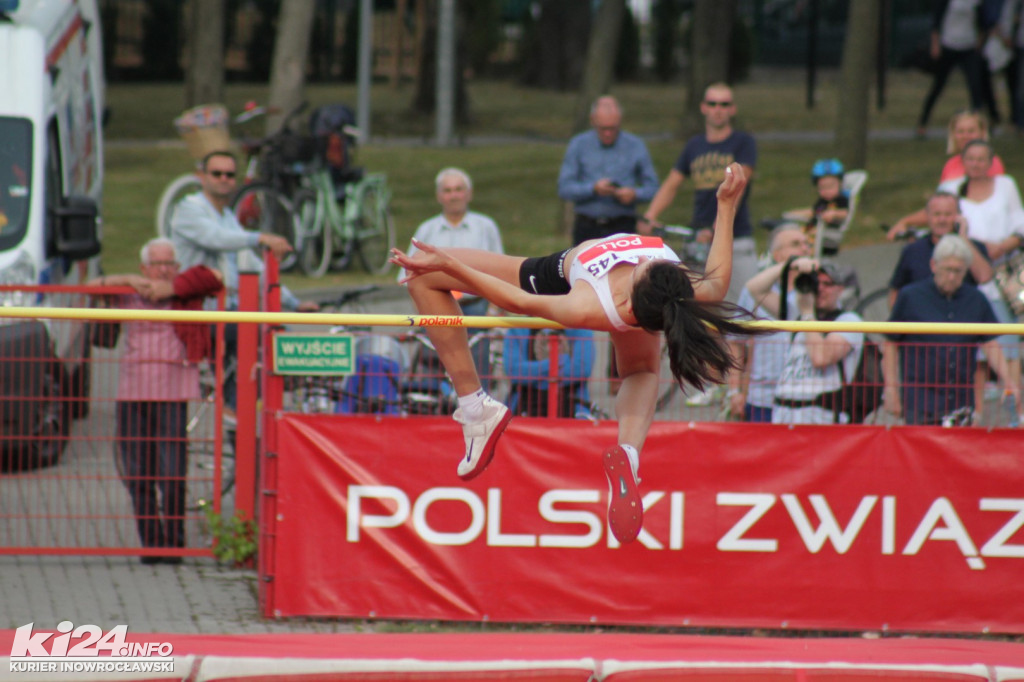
(806, 282)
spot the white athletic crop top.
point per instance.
(594, 263)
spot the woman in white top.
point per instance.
(995, 216)
(635, 289)
(991, 205)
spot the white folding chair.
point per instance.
(828, 238)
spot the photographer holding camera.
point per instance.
(760, 359)
(811, 372)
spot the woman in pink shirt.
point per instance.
(964, 127)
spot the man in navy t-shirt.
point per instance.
(936, 371)
(704, 160)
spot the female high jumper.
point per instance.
(633, 287)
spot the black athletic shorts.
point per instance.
(545, 275)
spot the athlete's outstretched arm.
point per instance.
(718, 270)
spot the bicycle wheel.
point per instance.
(262, 208)
(343, 241)
(875, 308)
(375, 229)
(315, 259)
(180, 187)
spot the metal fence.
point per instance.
(74, 453)
(71, 452)
(398, 374)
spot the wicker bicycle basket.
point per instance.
(204, 129)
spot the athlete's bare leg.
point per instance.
(637, 354)
(432, 295)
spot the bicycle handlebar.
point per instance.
(253, 146)
(687, 233)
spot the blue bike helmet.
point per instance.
(824, 167)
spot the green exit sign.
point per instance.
(313, 354)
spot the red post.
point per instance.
(245, 437)
(273, 394)
(553, 348)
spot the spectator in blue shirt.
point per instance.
(936, 371)
(527, 352)
(605, 173)
(943, 214)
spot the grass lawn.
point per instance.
(515, 181)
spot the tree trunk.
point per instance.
(291, 49)
(204, 82)
(601, 51)
(425, 98)
(858, 66)
(563, 29)
(710, 46)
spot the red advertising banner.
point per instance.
(747, 525)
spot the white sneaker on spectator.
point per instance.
(481, 437)
(705, 397)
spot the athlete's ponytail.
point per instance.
(663, 301)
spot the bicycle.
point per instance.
(269, 199)
(427, 389)
(264, 201)
(188, 183)
(320, 394)
(341, 221)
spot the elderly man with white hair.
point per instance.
(936, 370)
(457, 226)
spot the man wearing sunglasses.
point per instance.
(205, 232)
(704, 160)
(204, 228)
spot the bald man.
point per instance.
(606, 172)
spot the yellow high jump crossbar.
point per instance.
(509, 322)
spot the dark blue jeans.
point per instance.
(757, 415)
(972, 65)
(230, 388)
(153, 446)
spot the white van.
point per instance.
(51, 178)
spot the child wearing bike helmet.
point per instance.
(833, 204)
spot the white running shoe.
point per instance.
(481, 437)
